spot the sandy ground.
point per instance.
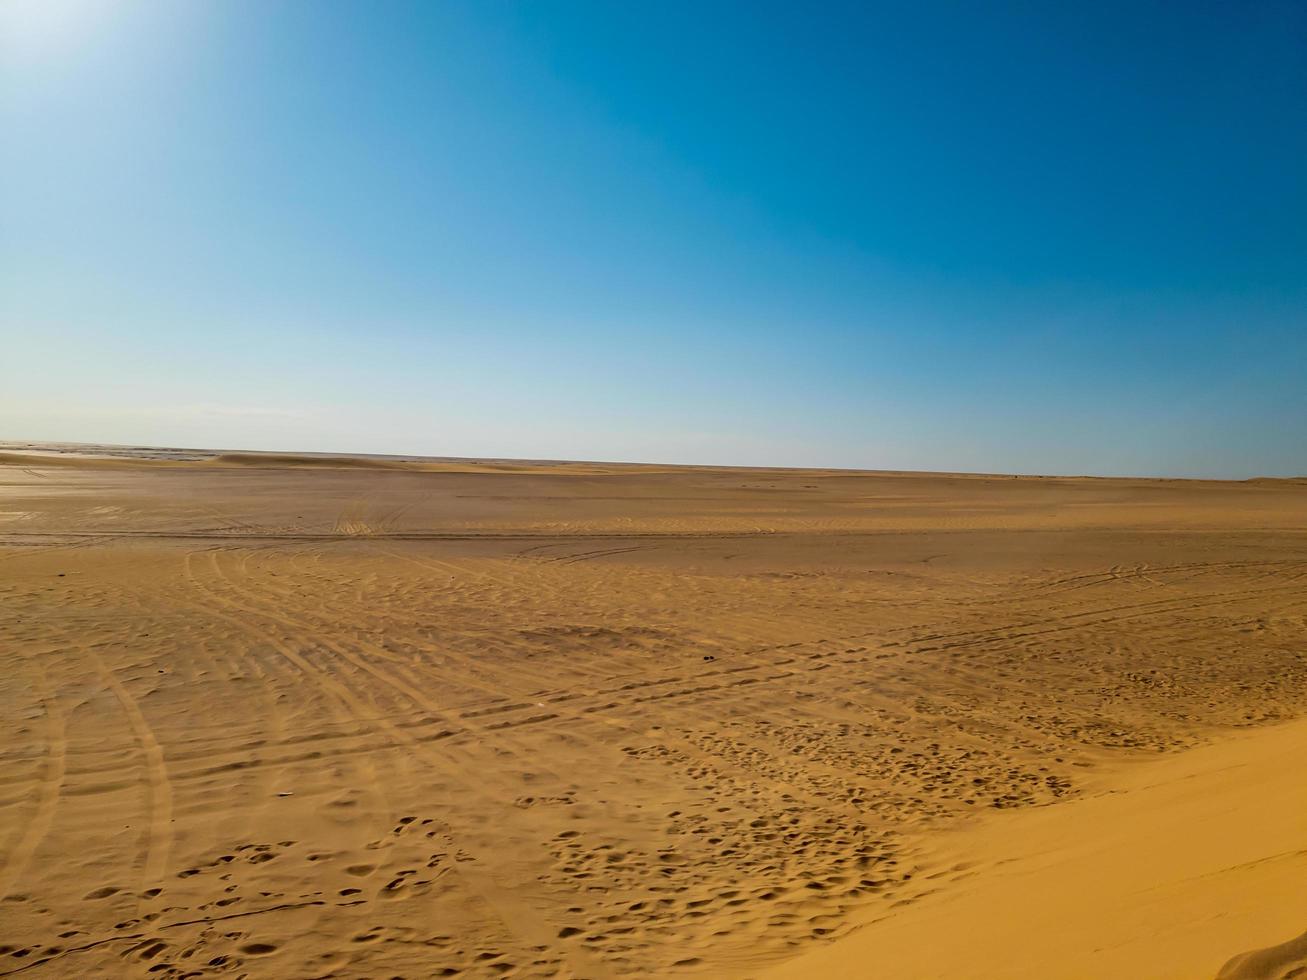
(305, 717)
(1185, 860)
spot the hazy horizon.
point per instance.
(38, 446)
(1064, 240)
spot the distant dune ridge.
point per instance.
(288, 715)
(18, 454)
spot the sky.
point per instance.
(1006, 237)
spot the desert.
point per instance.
(279, 715)
(604, 491)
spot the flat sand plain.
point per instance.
(279, 716)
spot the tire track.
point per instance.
(158, 839)
(49, 792)
(351, 724)
(517, 918)
(599, 712)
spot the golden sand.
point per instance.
(282, 716)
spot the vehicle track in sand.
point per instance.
(517, 918)
(158, 833)
(37, 826)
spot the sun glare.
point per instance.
(42, 28)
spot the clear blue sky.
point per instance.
(1028, 237)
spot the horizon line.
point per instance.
(211, 454)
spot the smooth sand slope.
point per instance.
(278, 717)
(1181, 862)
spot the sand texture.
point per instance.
(280, 716)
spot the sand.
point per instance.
(1185, 860)
(283, 716)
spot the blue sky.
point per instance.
(1013, 237)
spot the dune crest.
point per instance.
(1282, 962)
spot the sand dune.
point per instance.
(288, 459)
(426, 718)
(1159, 876)
(1279, 962)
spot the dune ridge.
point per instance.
(1280, 962)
